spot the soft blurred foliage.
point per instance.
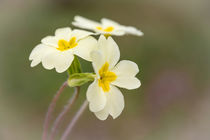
(173, 102)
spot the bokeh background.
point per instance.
(173, 102)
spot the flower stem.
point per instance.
(65, 110)
(50, 110)
(74, 120)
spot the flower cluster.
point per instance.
(61, 50)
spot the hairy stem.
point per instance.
(50, 110)
(65, 110)
(74, 120)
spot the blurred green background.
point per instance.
(173, 102)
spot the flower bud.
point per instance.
(78, 79)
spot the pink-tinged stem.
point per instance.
(50, 110)
(63, 113)
(74, 120)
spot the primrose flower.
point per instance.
(103, 96)
(106, 27)
(58, 51)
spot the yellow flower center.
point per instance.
(106, 77)
(64, 45)
(107, 29)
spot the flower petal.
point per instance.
(103, 114)
(37, 54)
(114, 106)
(85, 47)
(118, 32)
(132, 30)
(96, 97)
(48, 61)
(102, 41)
(63, 61)
(35, 62)
(50, 41)
(80, 34)
(108, 22)
(63, 33)
(85, 23)
(115, 101)
(127, 82)
(58, 60)
(126, 71)
(97, 60)
(36, 51)
(126, 68)
(110, 50)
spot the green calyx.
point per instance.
(76, 77)
(75, 67)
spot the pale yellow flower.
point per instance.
(58, 51)
(106, 27)
(103, 95)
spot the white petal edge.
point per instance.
(114, 106)
(85, 47)
(58, 60)
(102, 41)
(118, 32)
(85, 23)
(132, 30)
(96, 97)
(48, 61)
(118, 29)
(110, 50)
(127, 82)
(51, 41)
(80, 34)
(109, 22)
(114, 52)
(115, 32)
(115, 101)
(63, 61)
(103, 114)
(35, 62)
(63, 33)
(126, 68)
(38, 53)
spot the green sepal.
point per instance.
(75, 66)
(78, 79)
